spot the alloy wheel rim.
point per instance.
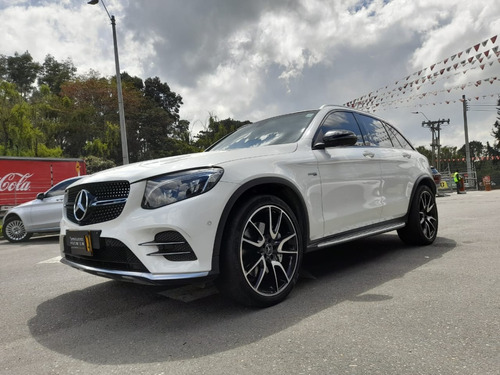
(269, 250)
(427, 213)
(15, 230)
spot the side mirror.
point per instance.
(336, 138)
(40, 196)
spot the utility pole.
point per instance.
(466, 131)
(121, 110)
(435, 128)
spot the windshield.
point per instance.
(272, 131)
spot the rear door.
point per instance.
(397, 163)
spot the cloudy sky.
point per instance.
(251, 59)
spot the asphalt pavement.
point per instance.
(374, 306)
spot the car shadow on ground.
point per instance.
(118, 323)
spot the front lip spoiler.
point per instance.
(137, 277)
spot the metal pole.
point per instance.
(433, 144)
(438, 162)
(466, 131)
(121, 110)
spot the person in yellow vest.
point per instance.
(457, 178)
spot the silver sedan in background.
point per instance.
(41, 215)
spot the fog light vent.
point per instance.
(172, 246)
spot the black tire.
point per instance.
(422, 226)
(262, 253)
(14, 231)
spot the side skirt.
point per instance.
(355, 235)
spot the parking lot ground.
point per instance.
(374, 306)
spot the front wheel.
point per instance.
(14, 231)
(422, 225)
(262, 253)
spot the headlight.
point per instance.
(175, 187)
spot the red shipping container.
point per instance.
(21, 179)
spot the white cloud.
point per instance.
(249, 60)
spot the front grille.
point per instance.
(102, 191)
(109, 254)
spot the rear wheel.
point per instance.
(262, 253)
(422, 225)
(14, 231)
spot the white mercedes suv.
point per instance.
(246, 210)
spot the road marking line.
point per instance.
(51, 260)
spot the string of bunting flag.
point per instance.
(480, 58)
(478, 158)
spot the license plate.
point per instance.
(79, 242)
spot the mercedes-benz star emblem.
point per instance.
(81, 205)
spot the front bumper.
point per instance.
(164, 245)
(136, 277)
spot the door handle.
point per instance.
(408, 156)
(368, 154)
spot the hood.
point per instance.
(146, 169)
(25, 204)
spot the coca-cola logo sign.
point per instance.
(15, 182)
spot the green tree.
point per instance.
(156, 130)
(9, 97)
(161, 94)
(216, 129)
(3, 68)
(492, 151)
(134, 81)
(23, 130)
(16, 131)
(476, 149)
(449, 152)
(90, 108)
(55, 73)
(23, 71)
(426, 152)
(496, 126)
(46, 111)
(95, 164)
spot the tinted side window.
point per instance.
(59, 188)
(398, 140)
(375, 132)
(337, 121)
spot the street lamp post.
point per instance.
(121, 110)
